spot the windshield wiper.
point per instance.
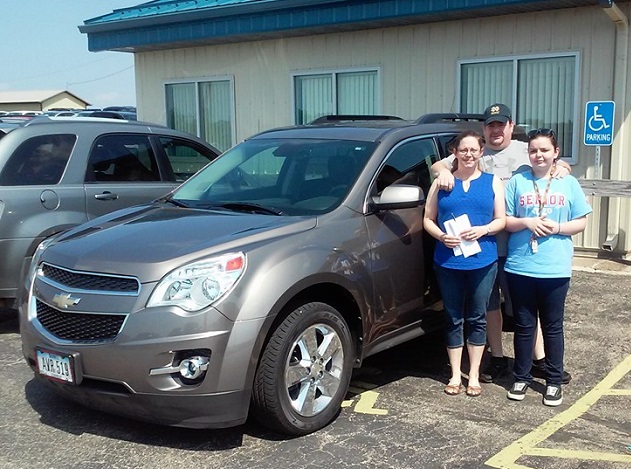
(250, 207)
(172, 201)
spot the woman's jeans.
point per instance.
(465, 296)
(543, 297)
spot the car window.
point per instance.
(409, 163)
(185, 158)
(39, 160)
(120, 158)
(445, 143)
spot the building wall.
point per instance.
(60, 100)
(418, 72)
(63, 101)
(20, 107)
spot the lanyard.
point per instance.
(534, 245)
(542, 200)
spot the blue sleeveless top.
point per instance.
(478, 204)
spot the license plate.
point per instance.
(55, 366)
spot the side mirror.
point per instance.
(398, 196)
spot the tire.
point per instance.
(304, 371)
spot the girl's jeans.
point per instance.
(545, 298)
(465, 296)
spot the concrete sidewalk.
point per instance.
(606, 266)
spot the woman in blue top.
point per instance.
(465, 260)
(542, 215)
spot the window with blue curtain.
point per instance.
(203, 108)
(541, 91)
(321, 94)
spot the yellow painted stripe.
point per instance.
(584, 455)
(506, 459)
(366, 404)
(618, 392)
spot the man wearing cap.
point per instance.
(502, 157)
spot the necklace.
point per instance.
(534, 244)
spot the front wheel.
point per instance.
(304, 371)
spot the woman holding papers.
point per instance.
(543, 214)
(465, 221)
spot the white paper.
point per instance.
(454, 227)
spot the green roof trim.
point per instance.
(166, 24)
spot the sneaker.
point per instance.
(518, 391)
(553, 396)
(539, 371)
(495, 369)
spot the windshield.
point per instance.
(278, 176)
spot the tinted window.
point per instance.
(118, 158)
(409, 163)
(38, 161)
(185, 158)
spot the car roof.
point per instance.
(75, 120)
(95, 125)
(374, 128)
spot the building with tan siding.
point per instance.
(40, 100)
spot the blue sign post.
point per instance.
(599, 123)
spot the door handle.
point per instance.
(107, 195)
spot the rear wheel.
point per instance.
(304, 372)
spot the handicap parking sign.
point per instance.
(599, 123)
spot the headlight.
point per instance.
(198, 285)
(35, 260)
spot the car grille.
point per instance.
(88, 281)
(79, 327)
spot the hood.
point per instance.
(149, 241)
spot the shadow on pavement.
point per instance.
(9, 321)
(72, 418)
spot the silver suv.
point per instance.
(56, 173)
(257, 285)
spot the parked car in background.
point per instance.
(120, 108)
(23, 114)
(61, 112)
(56, 173)
(121, 115)
(256, 286)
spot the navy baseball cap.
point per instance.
(497, 113)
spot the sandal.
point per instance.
(453, 389)
(473, 391)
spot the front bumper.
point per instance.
(116, 376)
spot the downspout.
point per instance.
(621, 51)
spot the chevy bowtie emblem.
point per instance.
(65, 301)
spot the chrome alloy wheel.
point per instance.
(314, 369)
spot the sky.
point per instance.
(42, 49)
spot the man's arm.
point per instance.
(441, 170)
(562, 169)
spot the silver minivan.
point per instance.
(255, 287)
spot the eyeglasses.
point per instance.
(541, 133)
(464, 151)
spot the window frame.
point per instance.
(197, 81)
(333, 73)
(569, 155)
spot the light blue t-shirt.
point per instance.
(565, 201)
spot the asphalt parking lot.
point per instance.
(396, 416)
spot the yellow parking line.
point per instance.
(573, 454)
(527, 445)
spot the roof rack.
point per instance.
(353, 117)
(452, 117)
